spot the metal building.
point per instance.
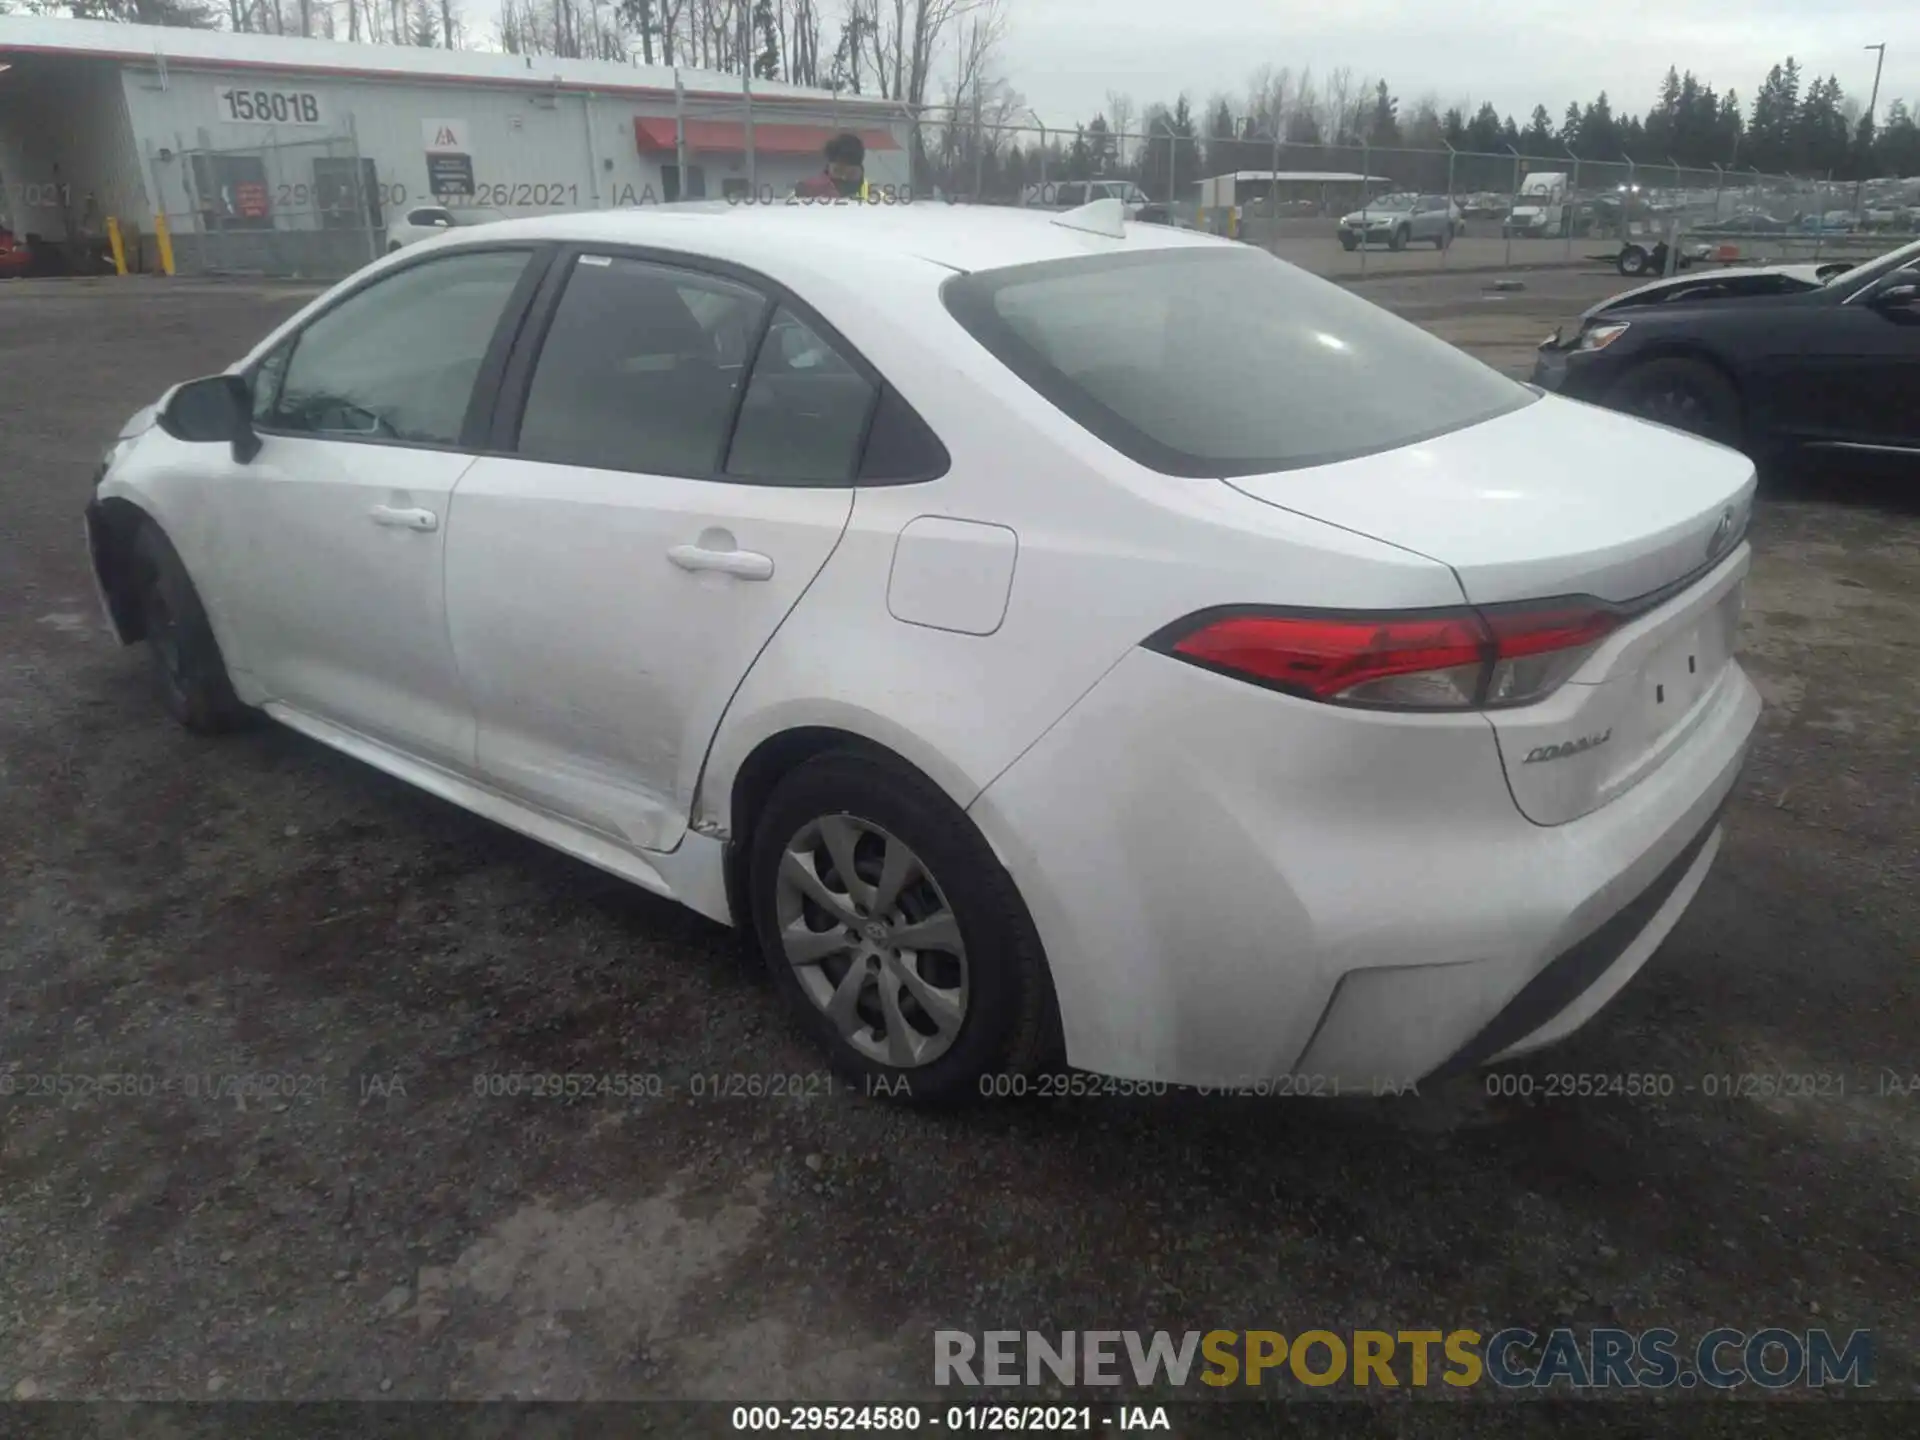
(290, 156)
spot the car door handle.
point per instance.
(744, 564)
(404, 519)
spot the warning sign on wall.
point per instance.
(445, 137)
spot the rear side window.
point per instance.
(805, 411)
(640, 369)
(1223, 360)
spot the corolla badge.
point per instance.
(1568, 748)
(1722, 534)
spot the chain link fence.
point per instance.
(1343, 209)
(308, 207)
(299, 205)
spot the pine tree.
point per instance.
(1539, 138)
(1383, 129)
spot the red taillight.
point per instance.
(1420, 660)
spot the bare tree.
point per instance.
(1120, 114)
(1337, 102)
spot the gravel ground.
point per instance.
(174, 908)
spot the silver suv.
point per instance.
(1399, 220)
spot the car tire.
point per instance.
(1398, 240)
(186, 659)
(863, 999)
(1444, 240)
(1687, 394)
(1349, 244)
(1633, 260)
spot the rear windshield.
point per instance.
(1223, 361)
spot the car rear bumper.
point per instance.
(1237, 887)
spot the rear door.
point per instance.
(677, 458)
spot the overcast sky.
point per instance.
(1065, 55)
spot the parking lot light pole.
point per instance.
(1508, 227)
(1447, 249)
(1366, 197)
(1572, 208)
(1626, 205)
(1872, 100)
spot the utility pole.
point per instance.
(1872, 100)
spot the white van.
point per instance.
(1540, 207)
(1070, 194)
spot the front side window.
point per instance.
(398, 360)
(805, 411)
(1204, 361)
(640, 369)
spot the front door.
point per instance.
(332, 539)
(682, 469)
(1853, 373)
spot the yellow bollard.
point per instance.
(164, 240)
(119, 248)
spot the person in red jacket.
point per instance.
(845, 174)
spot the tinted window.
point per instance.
(1070, 195)
(267, 376)
(397, 361)
(805, 411)
(429, 216)
(640, 369)
(1223, 361)
(901, 447)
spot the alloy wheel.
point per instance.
(872, 940)
(1678, 406)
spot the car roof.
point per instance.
(957, 237)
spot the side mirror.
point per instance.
(1904, 296)
(214, 410)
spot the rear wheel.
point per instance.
(1687, 394)
(186, 658)
(1634, 260)
(895, 934)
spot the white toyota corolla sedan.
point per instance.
(1053, 637)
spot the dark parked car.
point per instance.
(1790, 356)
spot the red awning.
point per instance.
(656, 136)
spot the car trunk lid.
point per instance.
(1560, 499)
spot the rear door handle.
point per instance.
(404, 519)
(744, 564)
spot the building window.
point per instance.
(696, 186)
(232, 191)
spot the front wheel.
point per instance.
(895, 934)
(1398, 240)
(1349, 243)
(1687, 394)
(186, 658)
(1633, 260)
